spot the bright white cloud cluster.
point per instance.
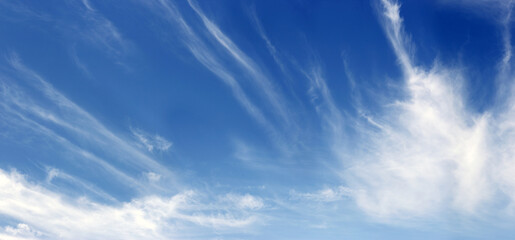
(51, 215)
(431, 153)
(21, 231)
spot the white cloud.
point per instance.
(324, 103)
(394, 29)
(271, 48)
(152, 142)
(22, 12)
(48, 209)
(324, 195)
(87, 25)
(500, 11)
(267, 87)
(102, 33)
(244, 202)
(82, 66)
(206, 57)
(253, 158)
(492, 9)
(87, 4)
(214, 62)
(48, 113)
(21, 231)
(52, 215)
(153, 177)
(51, 174)
(54, 174)
(432, 154)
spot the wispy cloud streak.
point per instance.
(208, 57)
(54, 175)
(246, 62)
(395, 32)
(152, 142)
(48, 215)
(271, 48)
(432, 154)
(49, 111)
(205, 56)
(326, 107)
(102, 33)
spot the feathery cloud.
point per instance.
(324, 195)
(268, 89)
(151, 142)
(48, 113)
(432, 153)
(47, 215)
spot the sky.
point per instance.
(291, 119)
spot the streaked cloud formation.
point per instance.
(221, 124)
(151, 142)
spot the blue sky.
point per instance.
(164, 119)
